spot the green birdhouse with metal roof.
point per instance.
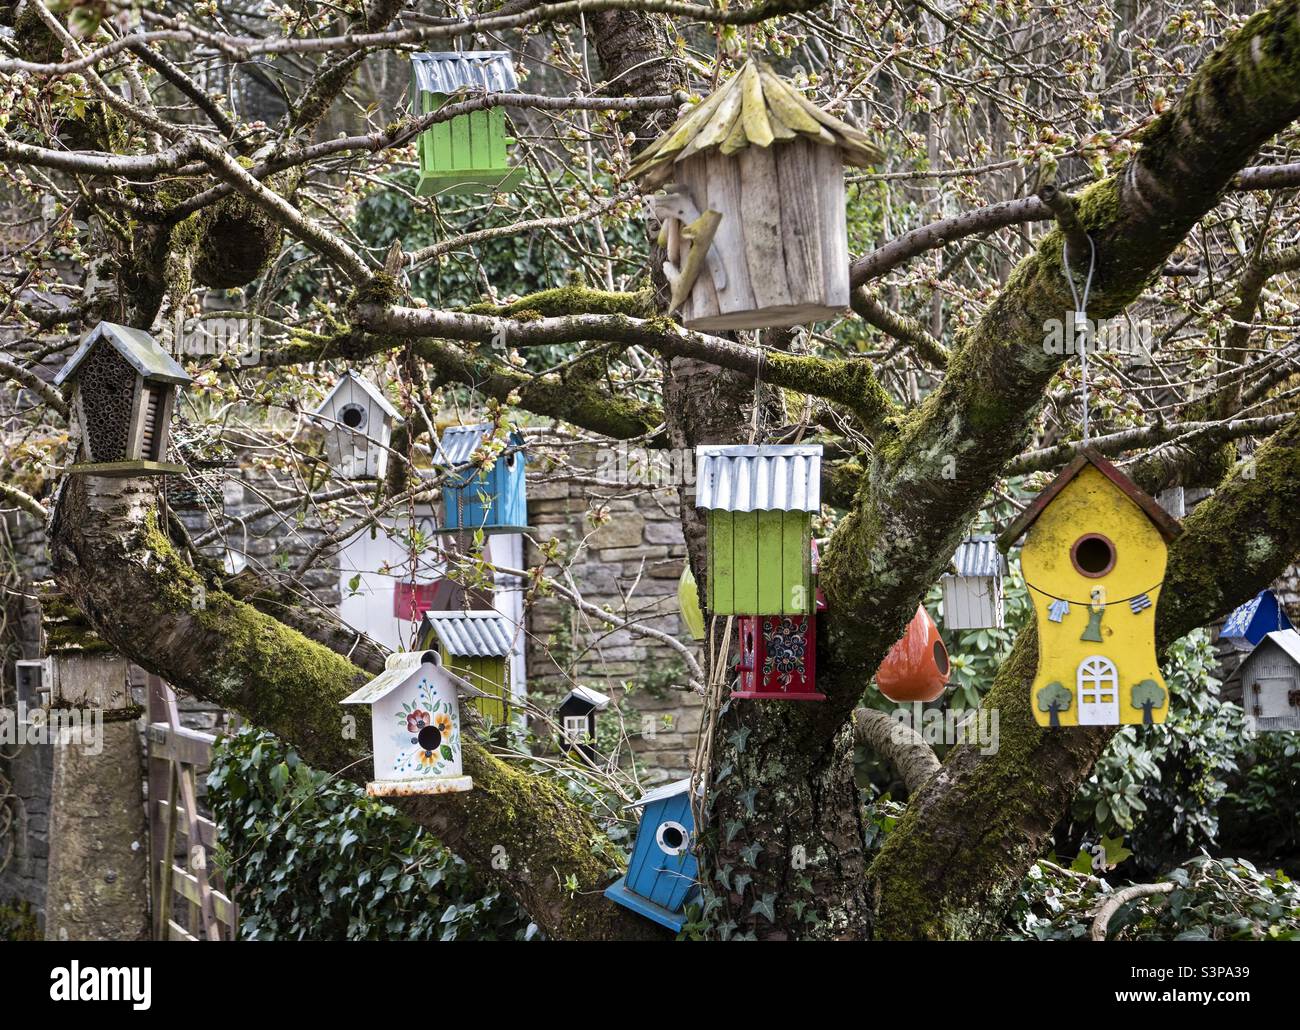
(760, 502)
(469, 152)
(474, 645)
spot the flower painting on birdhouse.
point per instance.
(466, 153)
(123, 392)
(1094, 561)
(759, 502)
(415, 725)
(358, 423)
(753, 216)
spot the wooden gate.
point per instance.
(189, 900)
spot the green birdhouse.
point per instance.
(467, 153)
(474, 645)
(760, 502)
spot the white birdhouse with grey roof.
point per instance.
(972, 592)
(415, 725)
(1270, 682)
(123, 393)
(358, 423)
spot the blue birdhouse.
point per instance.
(491, 498)
(661, 875)
(1253, 621)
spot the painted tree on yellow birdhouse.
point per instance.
(1094, 561)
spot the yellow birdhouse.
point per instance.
(1094, 562)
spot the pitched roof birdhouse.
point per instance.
(474, 645)
(358, 423)
(577, 715)
(972, 595)
(123, 392)
(1250, 623)
(415, 722)
(660, 878)
(1094, 561)
(1270, 682)
(493, 497)
(760, 502)
(466, 153)
(754, 214)
(917, 666)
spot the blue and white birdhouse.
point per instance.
(661, 874)
(492, 498)
(415, 725)
(1261, 615)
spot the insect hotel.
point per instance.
(917, 666)
(1270, 682)
(660, 878)
(415, 724)
(1253, 621)
(123, 392)
(577, 716)
(358, 423)
(972, 595)
(1094, 561)
(466, 153)
(474, 645)
(492, 498)
(753, 214)
(760, 501)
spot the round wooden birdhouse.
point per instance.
(754, 212)
(917, 667)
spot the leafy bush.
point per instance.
(1161, 786)
(310, 857)
(1213, 899)
(1261, 810)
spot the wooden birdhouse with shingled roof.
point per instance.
(754, 212)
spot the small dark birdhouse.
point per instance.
(754, 214)
(760, 502)
(661, 873)
(1253, 621)
(1270, 682)
(491, 497)
(358, 423)
(467, 153)
(475, 645)
(123, 392)
(577, 717)
(917, 667)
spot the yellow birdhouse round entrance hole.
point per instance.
(1093, 555)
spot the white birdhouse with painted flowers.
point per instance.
(415, 722)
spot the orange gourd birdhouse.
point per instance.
(917, 667)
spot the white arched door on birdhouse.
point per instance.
(358, 423)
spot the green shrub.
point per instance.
(310, 857)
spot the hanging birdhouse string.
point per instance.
(1081, 316)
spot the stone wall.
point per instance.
(630, 563)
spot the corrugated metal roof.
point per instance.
(399, 668)
(1288, 640)
(451, 70)
(978, 555)
(370, 390)
(470, 634)
(668, 790)
(457, 444)
(764, 478)
(139, 348)
(595, 698)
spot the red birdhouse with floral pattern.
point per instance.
(917, 667)
(778, 656)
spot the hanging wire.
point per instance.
(1081, 311)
